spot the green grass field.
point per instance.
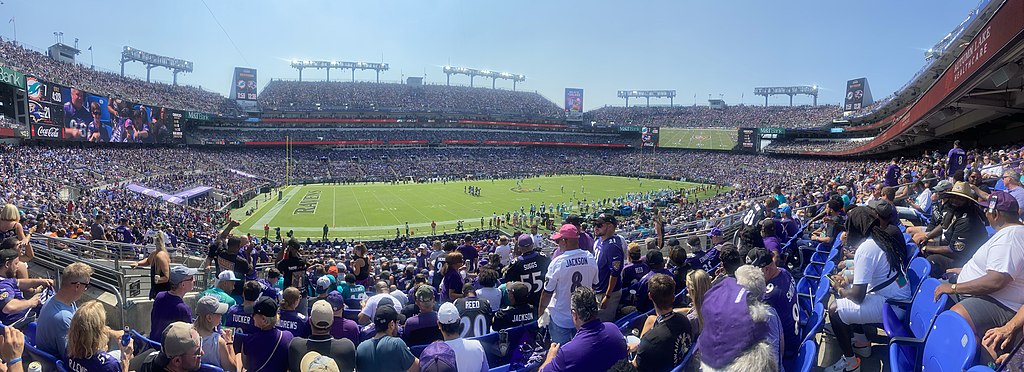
(705, 139)
(367, 211)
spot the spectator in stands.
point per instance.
(15, 308)
(488, 279)
(963, 234)
(169, 306)
(266, 348)
(451, 284)
(771, 242)
(181, 350)
(780, 294)
(10, 227)
(342, 327)
(469, 354)
(877, 277)
(421, 329)
(956, 159)
(752, 279)
(320, 343)
(159, 262)
(593, 335)
(991, 284)
(89, 337)
(634, 270)
(217, 344)
(529, 267)
(666, 337)
(289, 319)
(657, 264)
(55, 316)
(293, 267)
(504, 250)
(610, 254)
(240, 315)
(438, 357)
(1011, 178)
(573, 268)
(385, 352)
(938, 222)
(698, 282)
(735, 328)
(225, 283)
(471, 254)
(374, 302)
(519, 311)
(475, 312)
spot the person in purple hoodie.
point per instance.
(266, 348)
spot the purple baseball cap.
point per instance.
(336, 300)
(525, 241)
(1001, 201)
(716, 231)
(438, 357)
(729, 329)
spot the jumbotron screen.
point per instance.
(703, 139)
(749, 140)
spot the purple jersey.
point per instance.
(957, 160)
(704, 260)
(294, 322)
(238, 318)
(610, 255)
(101, 362)
(892, 175)
(780, 294)
(632, 273)
(124, 235)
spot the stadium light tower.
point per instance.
(340, 65)
(472, 73)
(648, 94)
(129, 54)
(788, 91)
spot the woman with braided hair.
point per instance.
(878, 275)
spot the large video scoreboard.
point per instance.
(748, 140)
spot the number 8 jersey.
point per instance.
(566, 272)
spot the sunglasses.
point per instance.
(86, 284)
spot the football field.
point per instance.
(704, 139)
(370, 211)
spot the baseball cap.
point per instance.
(655, 257)
(568, 231)
(385, 314)
(574, 219)
(786, 209)
(336, 299)
(605, 218)
(178, 340)
(943, 186)
(525, 241)
(883, 207)
(1001, 201)
(673, 242)
(447, 313)
(322, 315)
(8, 254)
(323, 284)
(315, 362)
(227, 275)
(210, 305)
(731, 329)
(264, 305)
(179, 274)
(438, 357)
(716, 231)
(759, 257)
(424, 293)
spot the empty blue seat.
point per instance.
(209, 368)
(815, 272)
(980, 368)
(920, 269)
(142, 343)
(920, 316)
(950, 346)
(48, 362)
(807, 357)
(814, 323)
(30, 333)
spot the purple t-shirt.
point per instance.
(292, 321)
(9, 291)
(452, 281)
(167, 309)
(420, 329)
(469, 252)
(262, 348)
(780, 294)
(610, 256)
(771, 243)
(345, 328)
(632, 273)
(101, 362)
(236, 317)
(643, 303)
(579, 353)
(892, 175)
(957, 161)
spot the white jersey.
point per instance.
(566, 272)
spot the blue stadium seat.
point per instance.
(823, 292)
(516, 337)
(814, 323)
(48, 362)
(490, 345)
(950, 346)
(815, 272)
(142, 343)
(209, 368)
(626, 319)
(980, 368)
(920, 317)
(804, 296)
(686, 359)
(30, 333)
(920, 269)
(913, 250)
(807, 357)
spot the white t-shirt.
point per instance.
(370, 309)
(505, 252)
(572, 266)
(469, 355)
(924, 199)
(492, 295)
(871, 267)
(1004, 253)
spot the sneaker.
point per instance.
(863, 351)
(843, 366)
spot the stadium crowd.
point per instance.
(179, 97)
(791, 146)
(742, 116)
(364, 96)
(432, 136)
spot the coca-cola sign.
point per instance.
(46, 131)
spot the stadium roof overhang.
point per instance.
(982, 85)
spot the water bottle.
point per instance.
(35, 367)
(126, 337)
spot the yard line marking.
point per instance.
(385, 208)
(358, 204)
(276, 208)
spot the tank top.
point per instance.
(10, 233)
(364, 272)
(154, 287)
(211, 349)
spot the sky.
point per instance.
(718, 48)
